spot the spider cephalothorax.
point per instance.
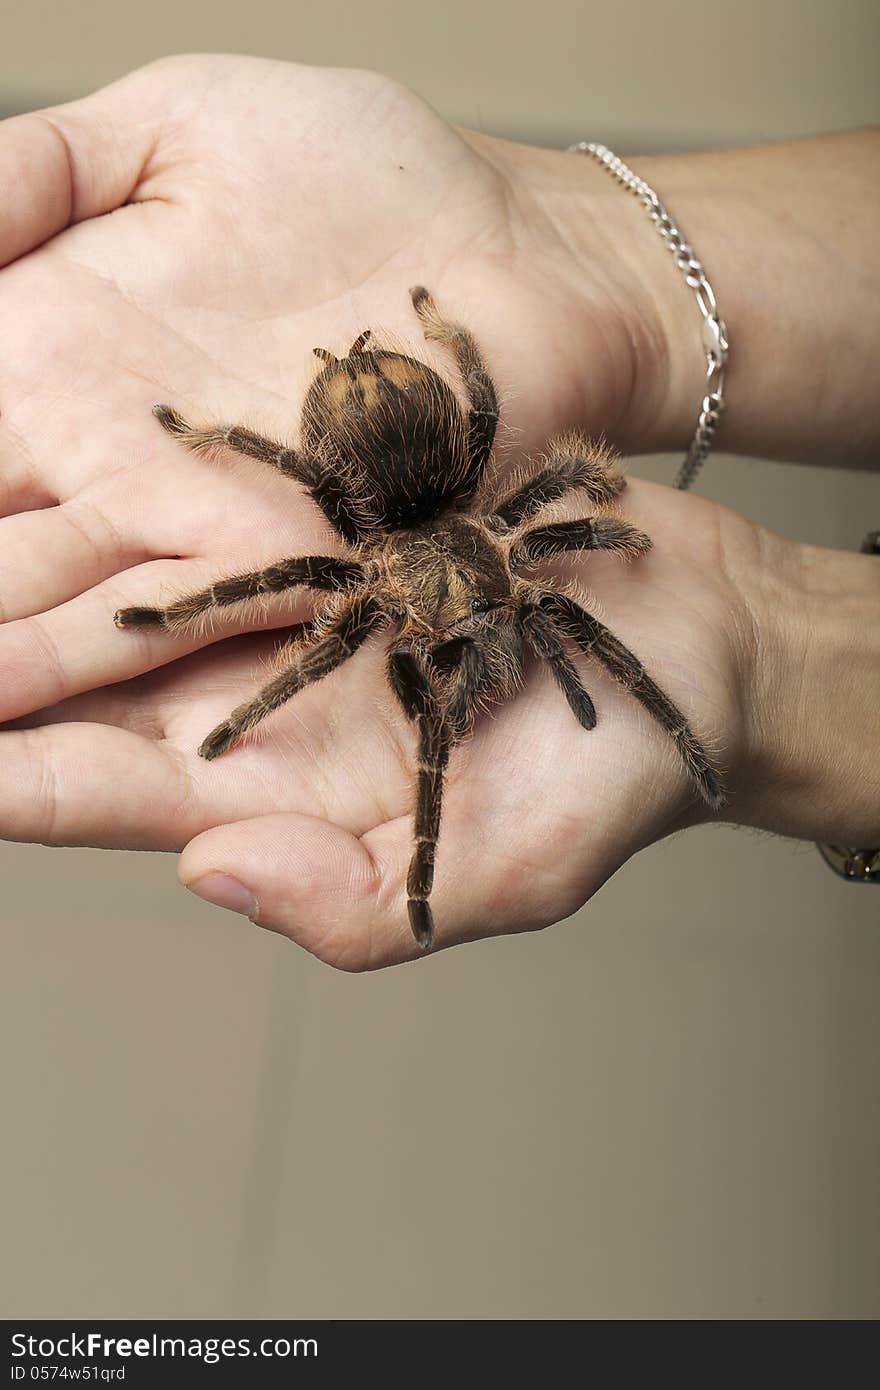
(395, 464)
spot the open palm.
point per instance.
(229, 216)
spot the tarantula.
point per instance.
(397, 467)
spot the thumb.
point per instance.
(344, 899)
(310, 880)
(68, 163)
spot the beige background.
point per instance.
(668, 1106)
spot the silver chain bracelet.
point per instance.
(714, 330)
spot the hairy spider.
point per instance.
(395, 465)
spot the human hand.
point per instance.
(233, 257)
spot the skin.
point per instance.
(189, 235)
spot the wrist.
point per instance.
(577, 236)
(785, 234)
(812, 765)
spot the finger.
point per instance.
(113, 704)
(87, 784)
(120, 788)
(343, 898)
(50, 657)
(172, 701)
(21, 487)
(308, 879)
(52, 555)
(68, 163)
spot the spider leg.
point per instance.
(342, 509)
(480, 668)
(542, 636)
(574, 462)
(467, 679)
(360, 341)
(595, 639)
(483, 417)
(312, 661)
(312, 571)
(411, 682)
(587, 533)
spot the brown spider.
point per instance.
(395, 464)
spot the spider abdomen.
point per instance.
(402, 424)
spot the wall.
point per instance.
(661, 1113)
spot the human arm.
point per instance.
(229, 261)
(787, 234)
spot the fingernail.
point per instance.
(225, 891)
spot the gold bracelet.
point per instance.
(856, 865)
